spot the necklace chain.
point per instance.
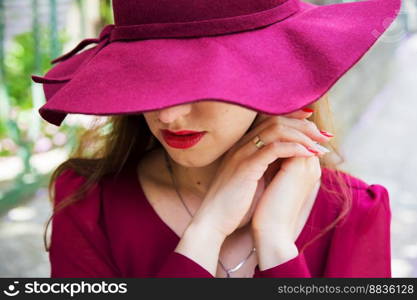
(228, 271)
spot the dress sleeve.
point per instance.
(295, 267)
(178, 265)
(361, 246)
(78, 246)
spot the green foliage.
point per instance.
(20, 63)
(2, 131)
(106, 12)
(30, 53)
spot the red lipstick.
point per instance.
(182, 139)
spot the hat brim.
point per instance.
(276, 69)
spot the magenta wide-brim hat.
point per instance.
(270, 56)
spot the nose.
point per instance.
(170, 114)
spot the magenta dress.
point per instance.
(115, 232)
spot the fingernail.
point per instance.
(312, 150)
(321, 148)
(306, 109)
(325, 133)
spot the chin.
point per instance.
(193, 160)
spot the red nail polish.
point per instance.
(326, 133)
(306, 109)
(311, 150)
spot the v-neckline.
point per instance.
(138, 186)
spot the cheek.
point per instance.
(151, 121)
(232, 122)
(229, 133)
(237, 125)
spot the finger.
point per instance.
(298, 114)
(301, 124)
(254, 165)
(273, 168)
(289, 134)
(309, 128)
(273, 133)
(303, 113)
(262, 123)
(261, 117)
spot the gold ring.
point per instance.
(258, 142)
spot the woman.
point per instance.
(250, 192)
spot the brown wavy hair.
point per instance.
(124, 139)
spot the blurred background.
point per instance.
(374, 104)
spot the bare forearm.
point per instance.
(201, 245)
(273, 250)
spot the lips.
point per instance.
(182, 139)
(183, 132)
